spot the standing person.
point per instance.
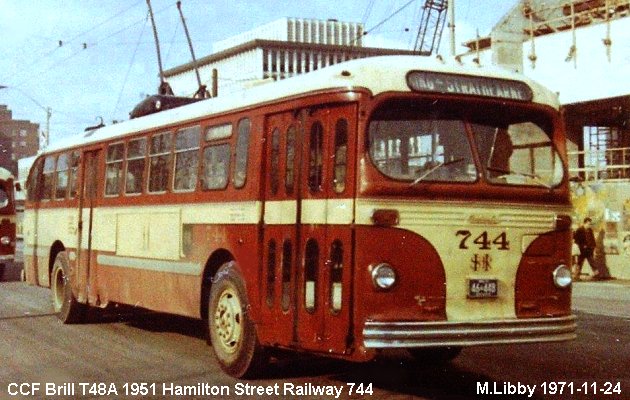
(585, 239)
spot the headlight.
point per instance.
(562, 276)
(383, 276)
(5, 240)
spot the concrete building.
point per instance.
(18, 139)
(581, 50)
(277, 50)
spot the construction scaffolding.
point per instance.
(604, 158)
(555, 16)
(431, 26)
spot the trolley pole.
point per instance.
(451, 24)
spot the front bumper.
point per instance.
(381, 335)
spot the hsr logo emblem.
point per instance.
(481, 262)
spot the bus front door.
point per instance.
(87, 198)
(308, 237)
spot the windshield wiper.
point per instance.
(534, 177)
(433, 169)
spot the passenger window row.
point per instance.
(158, 163)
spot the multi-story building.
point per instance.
(277, 50)
(18, 139)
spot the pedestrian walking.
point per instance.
(585, 239)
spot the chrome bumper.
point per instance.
(8, 257)
(379, 335)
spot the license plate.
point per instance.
(482, 288)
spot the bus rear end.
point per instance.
(462, 218)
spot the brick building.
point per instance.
(18, 139)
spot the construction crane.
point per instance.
(431, 27)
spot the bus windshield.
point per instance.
(421, 141)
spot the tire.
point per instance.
(232, 332)
(65, 305)
(435, 355)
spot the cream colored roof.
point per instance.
(378, 74)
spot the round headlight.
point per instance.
(383, 276)
(5, 240)
(562, 276)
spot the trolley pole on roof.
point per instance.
(164, 88)
(451, 24)
(201, 93)
(46, 135)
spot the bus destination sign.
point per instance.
(436, 82)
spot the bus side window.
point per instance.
(316, 157)
(287, 254)
(242, 147)
(134, 176)
(310, 275)
(61, 187)
(216, 164)
(113, 170)
(34, 183)
(49, 174)
(159, 162)
(271, 271)
(74, 165)
(341, 155)
(289, 173)
(336, 274)
(275, 161)
(186, 158)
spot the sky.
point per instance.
(92, 59)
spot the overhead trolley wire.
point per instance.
(93, 44)
(133, 58)
(382, 22)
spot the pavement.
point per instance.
(610, 298)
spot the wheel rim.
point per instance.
(228, 320)
(59, 283)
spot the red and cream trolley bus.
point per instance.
(7, 216)
(389, 202)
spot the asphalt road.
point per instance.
(125, 349)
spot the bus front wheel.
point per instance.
(68, 309)
(232, 332)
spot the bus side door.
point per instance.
(326, 215)
(87, 197)
(308, 212)
(280, 218)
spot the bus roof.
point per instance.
(377, 74)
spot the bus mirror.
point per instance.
(18, 187)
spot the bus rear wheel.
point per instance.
(67, 307)
(232, 332)
(435, 355)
